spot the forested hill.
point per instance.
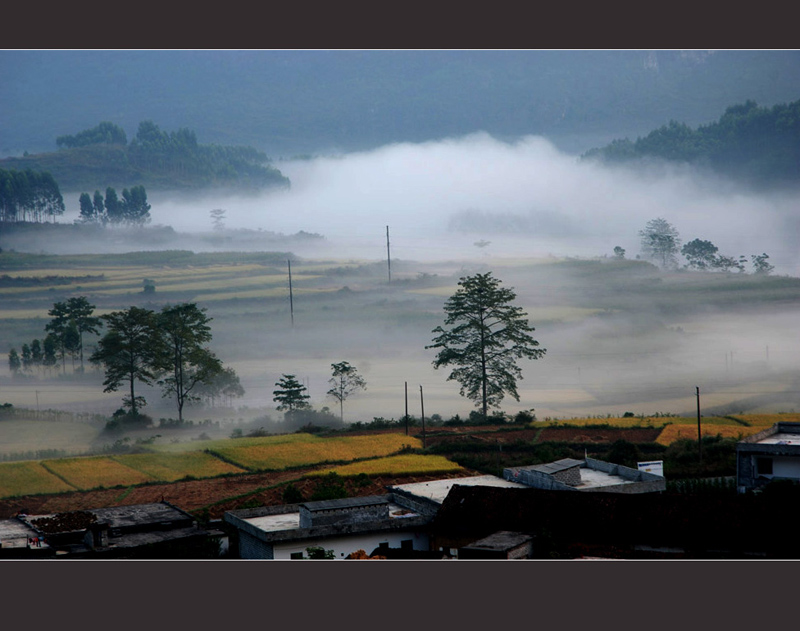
(101, 156)
(290, 102)
(757, 144)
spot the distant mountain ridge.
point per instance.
(289, 102)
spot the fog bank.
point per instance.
(440, 198)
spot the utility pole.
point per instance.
(291, 298)
(388, 256)
(406, 417)
(422, 406)
(699, 434)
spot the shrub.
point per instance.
(292, 495)
(330, 488)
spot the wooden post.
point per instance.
(291, 298)
(422, 406)
(388, 256)
(406, 417)
(699, 432)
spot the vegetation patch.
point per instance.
(95, 472)
(29, 478)
(678, 431)
(403, 464)
(171, 467)
(311, 450)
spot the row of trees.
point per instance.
(167, 348)
(661, 244)
(29, 196)
(69, 322)
(175, 158)
(133, 209)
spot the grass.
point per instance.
(676, 431)
(171, 467)
(95, 472)
(403, 464)
(311, 450)
(29, 478)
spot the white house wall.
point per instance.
(342, 546)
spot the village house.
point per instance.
(772, 454)
(157, 530)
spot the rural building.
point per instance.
(772, 454)
(158, 530)
(588, 475)
(500, 545)
(343, 525)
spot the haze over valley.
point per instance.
(621, 334)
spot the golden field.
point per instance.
(402, 464)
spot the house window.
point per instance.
(764, 466)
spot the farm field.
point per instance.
(621, 336)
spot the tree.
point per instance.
(760, 265)
(619, 252)
(80, 312)
(27, 359)
(290, 395)
(14, 362)
(182, 353)
(485, 335)
(700, 254)
(99, 207)
(345, 381)
(218, 219)
(135, 209)
(660, 242)
(115, 210)
(226, 385)
(128, 353)
(87, 208)
(58, 327)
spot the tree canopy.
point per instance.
(483, 336)
(127, 353)
(290, 394)
(660, 242)
(345, 381)
(183, 358)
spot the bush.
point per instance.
(292, 495)
(330, 488)
(524, 417)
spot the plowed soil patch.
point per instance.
(217, 494)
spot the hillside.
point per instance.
(155, 159)
(758, 144)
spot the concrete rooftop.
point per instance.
(437, 490)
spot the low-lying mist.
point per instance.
(441, 198)
(483, 202)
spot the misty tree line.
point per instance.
(761, 142)
(168, 349)
(661, 244)
(29, 196)
(133, 209)
(178, 155)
